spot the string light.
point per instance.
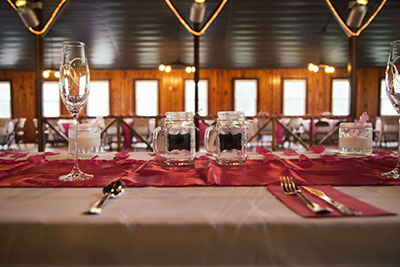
(188, 28)
(57, 74)
(49, 22)
(345, 27)
(168, 69)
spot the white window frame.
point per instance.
(284, 112)
(105, 106)
(8, 100)
(384, 100)
(157, 100)
(235, 105)
(333, 99)
(203, 109)
(51, 112)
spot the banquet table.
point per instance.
(190, 225)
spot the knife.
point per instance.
(340, 207)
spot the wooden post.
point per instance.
(118, 119)
(352, 69)
(39, 84)
(311, 131)
(196, 84)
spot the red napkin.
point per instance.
(297, 205)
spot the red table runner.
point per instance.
(205, 172)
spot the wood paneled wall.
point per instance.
(220, 89)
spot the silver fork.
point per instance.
(290, 188)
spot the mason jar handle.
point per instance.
(207, 140)
(156, 135)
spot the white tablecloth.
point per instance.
(190, 226)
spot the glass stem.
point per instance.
(75, 117)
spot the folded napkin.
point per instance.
(297, 205)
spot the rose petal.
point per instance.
(317, 149)
(261, 150)
(329, 158)
(121, 155)
(267, 157)
(37, 159)
(51, 153)
(304, 161)
(93, 160)
(19, 155)
(152, 154)
(290, 153)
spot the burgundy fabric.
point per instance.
(127, 136)
(279, 133)
(324, 171)
(66, 128)
(297, 205)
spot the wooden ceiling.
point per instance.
(140, 34)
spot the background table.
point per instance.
(190, 226)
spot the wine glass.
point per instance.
(393, 91)
(74, 90)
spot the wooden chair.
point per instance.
(7, 132)
(389, 130)
(20, 133)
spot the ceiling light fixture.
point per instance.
(315, 68)
(47, 73)
(346, 28)
(186, 25)
(357, 14)
(33, 5)
(197, 11)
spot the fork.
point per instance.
(290, 188)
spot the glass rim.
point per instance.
(179, 114)
(73, 43)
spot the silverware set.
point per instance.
(290, 188)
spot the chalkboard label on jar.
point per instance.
(230, 141)
(179, 142)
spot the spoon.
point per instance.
(113, 190)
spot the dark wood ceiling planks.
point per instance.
(137, 34)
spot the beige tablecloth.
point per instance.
(190, 226)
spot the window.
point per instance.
(294, 97)
(386, 107)
(340, 97)
(5, 100)
(245, 94)
(203, 96)
(146, 97)
(98, 104)
(51, 99)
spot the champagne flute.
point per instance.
(393, 91)
(74, 90)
